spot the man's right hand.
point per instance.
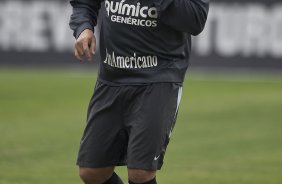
(85, 45)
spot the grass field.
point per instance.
(229, 129)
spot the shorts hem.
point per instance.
(144, 167)
(93, 165)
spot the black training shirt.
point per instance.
(142, 41)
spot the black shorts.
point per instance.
(129, 125)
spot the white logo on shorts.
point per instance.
(156, 158)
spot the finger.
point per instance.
(77, 55)
(86, 50)
(79, 49)
(93, 45)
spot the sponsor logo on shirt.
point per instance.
(130, 62)
(132, 14)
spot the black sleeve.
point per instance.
(84, 15)
(186, 15)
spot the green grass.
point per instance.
(228, 129)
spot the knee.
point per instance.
(95, 175)
(140, 176)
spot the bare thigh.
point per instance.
(95, 175)
(140, 176)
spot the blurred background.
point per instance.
(229, 124)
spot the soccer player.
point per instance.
(145, 47)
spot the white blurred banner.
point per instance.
(247, 29)
(35, 26)
(246, 33)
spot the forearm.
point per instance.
(186, 15)
(84, 16)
